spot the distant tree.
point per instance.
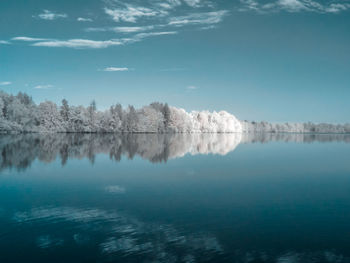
(49, 117)
(119, 110)
(2, 106)
(166, 113)
(91, 112)
(132, 119)
(20, 114)
(112, 110)
(65, 110)
(157, 106)
(24, 98)
(93, 106)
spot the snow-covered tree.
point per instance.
(65, 110)
(2, 106)
(20, 114)
(131, 119)
(92, 116)
(50, 118)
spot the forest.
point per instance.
(20, 114)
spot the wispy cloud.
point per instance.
(193, 3)
(5, 83)
(79, 43)
(128, 29)
(82, 19)
(294, 6)
(189, 88)
(152, 34)
(121, 29)
(205, 20)
(199, 18)
(141, 36)
(88, 43)
(169, 4)
(48, 86)
(131, 13)
(49, 15)
(29, 39)
(3, 42)
(113, 69)
(160, 13)
(208, 27)
(122, 12)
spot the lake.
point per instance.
(175, 198)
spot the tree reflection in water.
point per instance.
(20, 151)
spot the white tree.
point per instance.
(50, 118)
(2, 105)
(20, 114)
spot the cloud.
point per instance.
(152, 34)
(132, 29)
(336, 8)
(249, 5)
(140, 36)
(5, 83)
(121, 29)
(49, 15)
(193, 3)
(160, 12)
(208, 27)
(79, 43)
(111, 69)
(294, 6)
(44, 86)
(29, 39)
(94, 44)
(131, 13)
(192, 88)
(172, 3)
(3, 42)
(199, 18)
(166, 5)
(159, 9)
(82, 19)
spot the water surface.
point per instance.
(174, 198)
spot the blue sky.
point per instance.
(274, 60)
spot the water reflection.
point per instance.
(121, 233)
(139, 241)
(246, 207)
(294, 137)
(20, 151)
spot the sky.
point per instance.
(271, 60)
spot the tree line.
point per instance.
(19, 113)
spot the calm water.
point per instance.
(175, 198)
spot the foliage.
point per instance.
(20, 114)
